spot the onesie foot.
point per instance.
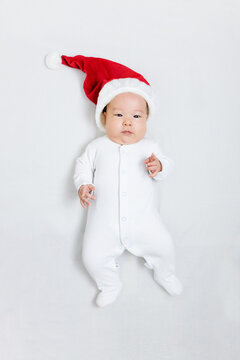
(107, 297)
(171, 284)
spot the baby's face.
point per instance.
(125, 118)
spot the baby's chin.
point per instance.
(126, 139)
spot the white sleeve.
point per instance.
(167, 163)
(84, 167)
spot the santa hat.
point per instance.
(105, 79)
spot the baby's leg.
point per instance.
(157, 248)
(99, 255)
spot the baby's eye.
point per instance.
(136, 116)
(118, 115)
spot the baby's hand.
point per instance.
(153, 164)
(84, 193)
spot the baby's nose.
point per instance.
(127, 121)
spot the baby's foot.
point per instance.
(107, 297)
(171, 284)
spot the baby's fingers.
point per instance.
(83, 204)
(146, 161)
(86, 201)
(154, 173)
(90, 196)
(151, 168)
(86, 197)
(86, 194)
(152, 163)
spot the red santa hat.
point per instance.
(105, 79)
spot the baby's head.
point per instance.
(125, 118)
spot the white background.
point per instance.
(189, 52)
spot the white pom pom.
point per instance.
(53, 60)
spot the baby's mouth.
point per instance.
(127, 132)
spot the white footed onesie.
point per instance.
(124, 214)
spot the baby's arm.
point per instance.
(83, 175)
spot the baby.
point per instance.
(115, 177)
